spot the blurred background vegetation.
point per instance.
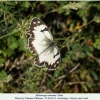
(76, 28)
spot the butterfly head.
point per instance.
(53, 43)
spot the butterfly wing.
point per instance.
(39, 44)
(53, 58)
(50, 58)
(39, 35)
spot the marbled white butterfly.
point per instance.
(42, 45)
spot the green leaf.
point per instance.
(88, 53)
(94, 75)
(89, 84)
(4, 52)
(75, 6)
(10, 52)
(13, 45)
(27, 4)
(21, 44)
(82, 55)
(97, 44)
(61, 10)
(3, 75)
(90, 48)
(85, 88)
(2, 60)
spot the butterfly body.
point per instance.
(41, 44)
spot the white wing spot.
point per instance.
(57, 62)
(33, 31)
(54, 66)
(34, 22)
(38, 22)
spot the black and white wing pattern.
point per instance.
(42, 45)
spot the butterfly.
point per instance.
(41, 44)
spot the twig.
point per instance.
(71, 83)
(96, 59)
(74, 68)
(61, 77)
(58, 84)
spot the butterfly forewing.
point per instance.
(41, 43)
(38, 25)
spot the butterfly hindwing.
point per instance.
(50, 58)
(41, 44)
(53, 60)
